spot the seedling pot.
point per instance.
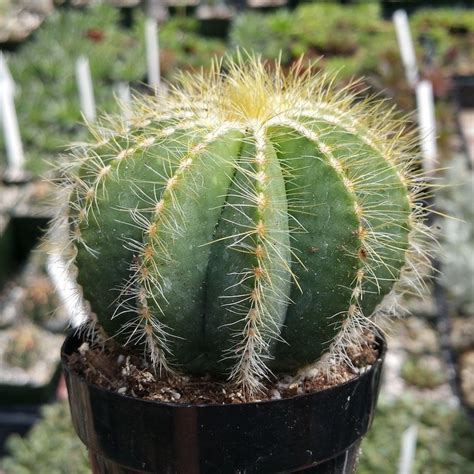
(16, 420)
(215, 21)
(183, 8)
(18, 236)
(29, 394)
(20, 405)
(266, 6)
(411, 6)
(464, 91)
(215, 27)
(318, 432)
(126, 17)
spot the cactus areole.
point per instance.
(245, 223)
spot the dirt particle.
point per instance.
(119, 370)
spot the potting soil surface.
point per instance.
(119, 370)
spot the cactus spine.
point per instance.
(248, 222)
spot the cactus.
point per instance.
(23, 347)
(246, 223)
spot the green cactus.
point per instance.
(23, 347)
(244, 224)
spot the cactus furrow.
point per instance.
(377, 184)
(179, 228)
(374, 269)
(114, 222)
(338, 200)
(246, 299)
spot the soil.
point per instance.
(113, 368)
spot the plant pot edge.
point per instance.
(381, 341)
(173, 430)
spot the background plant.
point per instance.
(455, 200)
(47, 101)
(51, 446)
(272, 36)
(448, 35)
(365, 46)
(444, 438)
(23, 347)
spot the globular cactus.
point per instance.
(23, 348)
(246, 223)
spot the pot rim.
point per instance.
(379, 338)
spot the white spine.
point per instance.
(67, 289)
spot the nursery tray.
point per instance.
(214, 22)
(29, 394)
(464, 91)
(266, 3)
(37, 383)
(186, 7)
(266, 6)
(24, 215)
(17, 420)
(18, 236)
(7, 261)
(389, 7)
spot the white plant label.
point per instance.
(427, 124)
(408, 450)
(86, 91)
(124, 96)
(405, 43)
(123, 93)
(152, 53)
(5, 72)
(11, 129)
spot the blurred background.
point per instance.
(64, 60)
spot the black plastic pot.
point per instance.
(16, 420)
(266, 6)
(183, 8)
(127, 17)
(215, 27)
(7, 247)
(389, 7)
(20, 406)
(29, 394)
(463, 87)
(318, 432)
(214, 22)
(28, 231)
(18, 236)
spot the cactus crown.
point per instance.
(248, 222)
